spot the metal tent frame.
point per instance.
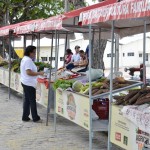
(113, 21)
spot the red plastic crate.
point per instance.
(101, 107)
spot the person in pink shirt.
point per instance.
(68, 56)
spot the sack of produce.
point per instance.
(95, 74)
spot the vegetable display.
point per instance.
(134, 97)
(63, 84)
(98, 87)
(15, 65)
(42, 65)
(103, 85)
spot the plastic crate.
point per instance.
(101, 107)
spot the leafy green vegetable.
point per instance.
(42, 65)
(63, 84)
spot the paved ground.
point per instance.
(18, 135)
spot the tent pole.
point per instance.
(99, 45)
(66, 39)
(144, 54)
(3, 48)
(115, 57)
(99, 38)
(10, 36)
(32, 40)
(111, 85)
(49, 89)
(90, 88)
(56, 63)
(38, 46)
(92, 46)
(117, 52)
(58, 58)
(13, 46)
(50, 94)
(24, 42)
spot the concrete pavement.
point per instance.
(18, 135)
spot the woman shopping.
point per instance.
(68, 56)
(29, 80)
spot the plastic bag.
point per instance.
(116, 74)
(94, 115)
(95, 74)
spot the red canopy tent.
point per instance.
(61, 22)
(4, 31)
(52, 23)
(123, 10)
(128, 14)
(27, 28)
(125, 18)
(77, 12)
(70, 20)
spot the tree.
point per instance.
(22, 10)
(98, 52)
(14, 11)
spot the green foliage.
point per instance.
(63, 84)
(22, 10)
(42, 65)
(15, 65)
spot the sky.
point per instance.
(90, 2)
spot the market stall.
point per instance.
(24, 28)
(64, 110)
(43, 28)
(75, 104)
(126, 18)
(63, 26)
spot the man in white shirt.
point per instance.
(76, 56)
(75, 59)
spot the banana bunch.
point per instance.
(85, 88)
(15, 67)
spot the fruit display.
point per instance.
(134, 97)
(4, 64)
(98, 87)
(15, 65)
(77, 85)
(103, 85)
